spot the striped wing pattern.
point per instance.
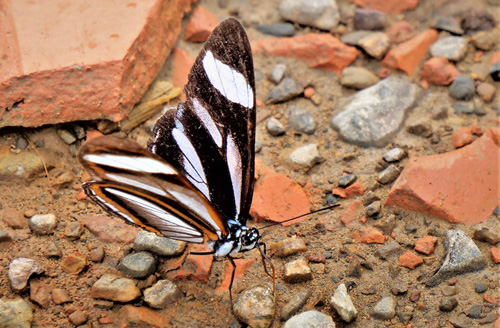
(210, 138)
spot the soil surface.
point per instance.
(203, 306)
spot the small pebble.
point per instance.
(274, 127)
(80, 132)
(342, 303)
(21, 143)
(447, 304)
(484, 40)
(97, 254)
(322, 14)
(52, 250)
(394, 155)
(375, 44)
(489, 318)
(462, 88)
(414, 296)
(310, 319)
(474, 311)
(277, 73)
(277, 29)
(451, 47)
(149, 241)
(297, 270)
(13, 218)
(347, 180)
(449, 24)
(60, 296)
(78, 317)
(480, 288)
(373, 209)
(138, 265)
(487, 235)
(301, 120)
(43, 224)
(305, 157)
(73, 230)
(40, 293)
(115, 288)
(420, 128)
(66, 136)
(255, 306)
(20, 270)
(357, 78)
(386, 251)
(385, 309)
(449, 290)
(289, 246)
(285, 90)
(162, 293)
(388, 175)
(463, 108)
(74, 263)
(369, 19)
(486, 91)
(294, 304)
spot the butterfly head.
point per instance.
(249, 239)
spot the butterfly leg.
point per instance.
(231, 260)
(266, 258)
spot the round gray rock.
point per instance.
(462, 88)
(310, 319)
(138, 265)
(322, 14)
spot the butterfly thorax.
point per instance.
(239, 239)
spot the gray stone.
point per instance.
(274, 127)
(277, 29)
(305, 157)
(369, 19)
(151, 242)
(322, 14)
(138, 265)
(474, 311)
(16, 313)
(394, 155)
(21, 143)
(463, 108)
(485, 40)
(386, 251)
(162, 293)
(462, 88)
(297, 270)
(255, 306)
(357, 77)
(66, 136)
(480, 288)
(388, 175)
(488, 318)
(80, 132)
(285, 90)
(462, 256)
(26, 164)
(487, 235)
(310, 319)
(52, 250)
(449, 290)
(374, 115)
(347, 180)
(373, 209)
(277, 73)
(43, 224)
(20, 270)
(342, 303)
(447, 23)
(301, 120)
(385, 309)
(352, 38)
(295, 303)
(450, 47)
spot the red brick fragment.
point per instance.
(410, 260)
(89, 63)
(425, 245)
(181, 65)
(490, 299)
(495, 254)
(463, 136)
(321, 50)
(242, 266)
(369, 235)
(278, 198)
(439, 71)
(437, 184)
(392, 7)
(309, 92)
(356, 189)
(133, 316)
(407, 55)
(201, 24)
(352, 213)
(195, 267)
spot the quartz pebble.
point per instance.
(342, 303)
(451, 47)
(310, 319)
(43, 224)
(385, 309)
(66, 136)
(305, 157)
(20, 270)
(388, 175)
(288, 247)
(394, 155)
(277, 73)
(274, 127)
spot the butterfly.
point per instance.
(196, 181)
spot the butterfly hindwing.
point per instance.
(139, 186)
(211, 137)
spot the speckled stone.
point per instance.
(162, 293)
(255, 306)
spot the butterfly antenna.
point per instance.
(298, 217)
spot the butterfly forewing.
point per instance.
(140, 187)
(211, 137)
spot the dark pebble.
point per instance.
(447, 304)
(495, 72)
(414, 296)
(286, 90)
(480, 288)
(301, 120)
(347, 180)
(463, 108)
(474, 311)
(473, 21)
(330, 199)
(278, 29)
(449, 24)
(399, 289)
(369, 19)
(462, 88)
